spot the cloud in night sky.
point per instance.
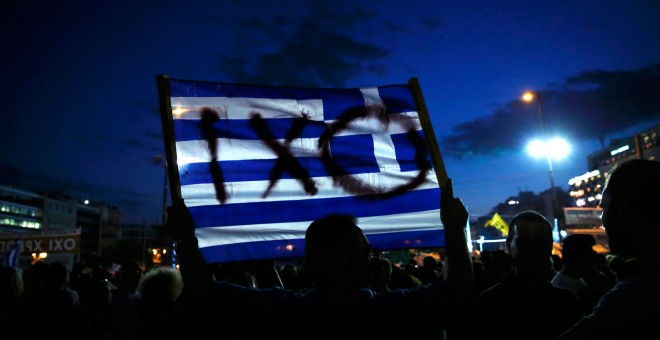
(590, 105)
(319, 49)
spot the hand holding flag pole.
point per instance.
(454, 217)
(180, 225)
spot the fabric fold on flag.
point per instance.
(257, 164)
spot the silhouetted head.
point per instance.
(57, 276)
(337, 256)
(34, 278)
(429, 262)
(130, 275)
(530, 240)
(159, 289)
(631, 203)
(577, 250)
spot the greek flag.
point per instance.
(257, 164)
(11, 256)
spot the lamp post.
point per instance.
(528, 97)
(159, 160)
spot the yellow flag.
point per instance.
(498, 223)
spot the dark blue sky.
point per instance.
(80, 111)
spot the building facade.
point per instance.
(586, 188)
(21, 212)
(54, 226)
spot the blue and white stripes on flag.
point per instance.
(11, 256)
(257, 164)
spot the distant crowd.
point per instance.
(345, 289)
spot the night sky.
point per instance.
(80, 105)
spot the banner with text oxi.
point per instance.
(257, 164)
(49, 243)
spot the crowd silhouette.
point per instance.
(345, 289)
(525, 294)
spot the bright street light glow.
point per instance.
(536, 148)
(528, 96)
(556, 148)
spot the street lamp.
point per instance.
(556, 148)
(160, 161)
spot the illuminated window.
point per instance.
(20, 223)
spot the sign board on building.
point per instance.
(588, 216)
(51, 243)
